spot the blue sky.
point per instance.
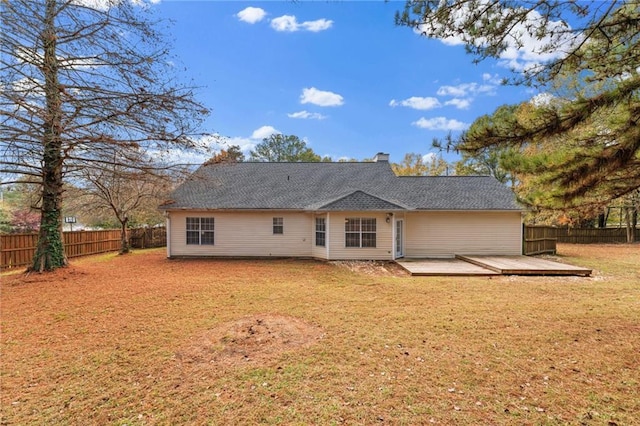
(338, 74)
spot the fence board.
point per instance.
(148, 237)
(542, 239)
(539, 240)
(593, 235)
(17, 250)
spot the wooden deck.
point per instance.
(524, 265)
(489, 265)
(443, 267)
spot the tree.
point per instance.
(232, 155)
(560, 28)
(487, 162)
(24, 221)
(5, 222)
(284, 148)
(80, 80)
(123, 192)
(414, 164)
(584, 147)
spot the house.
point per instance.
(339, 211)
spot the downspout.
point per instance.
(394, 249)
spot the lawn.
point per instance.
(140, 339)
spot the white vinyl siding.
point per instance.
(445, 234)
(426, 234)
(245, 234)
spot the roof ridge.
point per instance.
(343, 197)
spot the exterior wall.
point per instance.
(445, 234)
(426, 234)
(336, 238)
(245, 234)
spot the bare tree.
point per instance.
(81, 80)
(122, 192)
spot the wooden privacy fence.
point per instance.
(148, 237)
(17, 250)
(542, 239)
(538, 240)
(594, 235)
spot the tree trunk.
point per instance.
(628, 221)
(634, 223)
(602, 220)
(124, 237)
(49, 254)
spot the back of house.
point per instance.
(339, 211)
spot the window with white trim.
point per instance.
(321, 231)
(200, 230)
(278, 225)
(360, 232)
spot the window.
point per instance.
(200, 230)
(360, 232)
(278, 225)
(321, 231)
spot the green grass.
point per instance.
(100, 343)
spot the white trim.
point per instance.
(395, 241)
(168, 232)
(327, 242)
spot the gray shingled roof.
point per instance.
(334, 186)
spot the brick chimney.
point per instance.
(381, 157)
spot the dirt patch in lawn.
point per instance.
(372, 267)
(250, 340)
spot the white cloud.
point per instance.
(307, 115)
(103, 5)
(467, 89)
(27, 86)
(525, 49)
(289, 23)
(459, 103)
(251, 15)
(429, 158)
(264, 132)
(542, 99)
(440, 123)
(417, 102)
(317, 25)
(492, 78)
(285, 23)
(323, 98)
(245, 144)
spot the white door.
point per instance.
(399, 238)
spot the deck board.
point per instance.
(524, 265)
(489, 265)
(443, 267)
